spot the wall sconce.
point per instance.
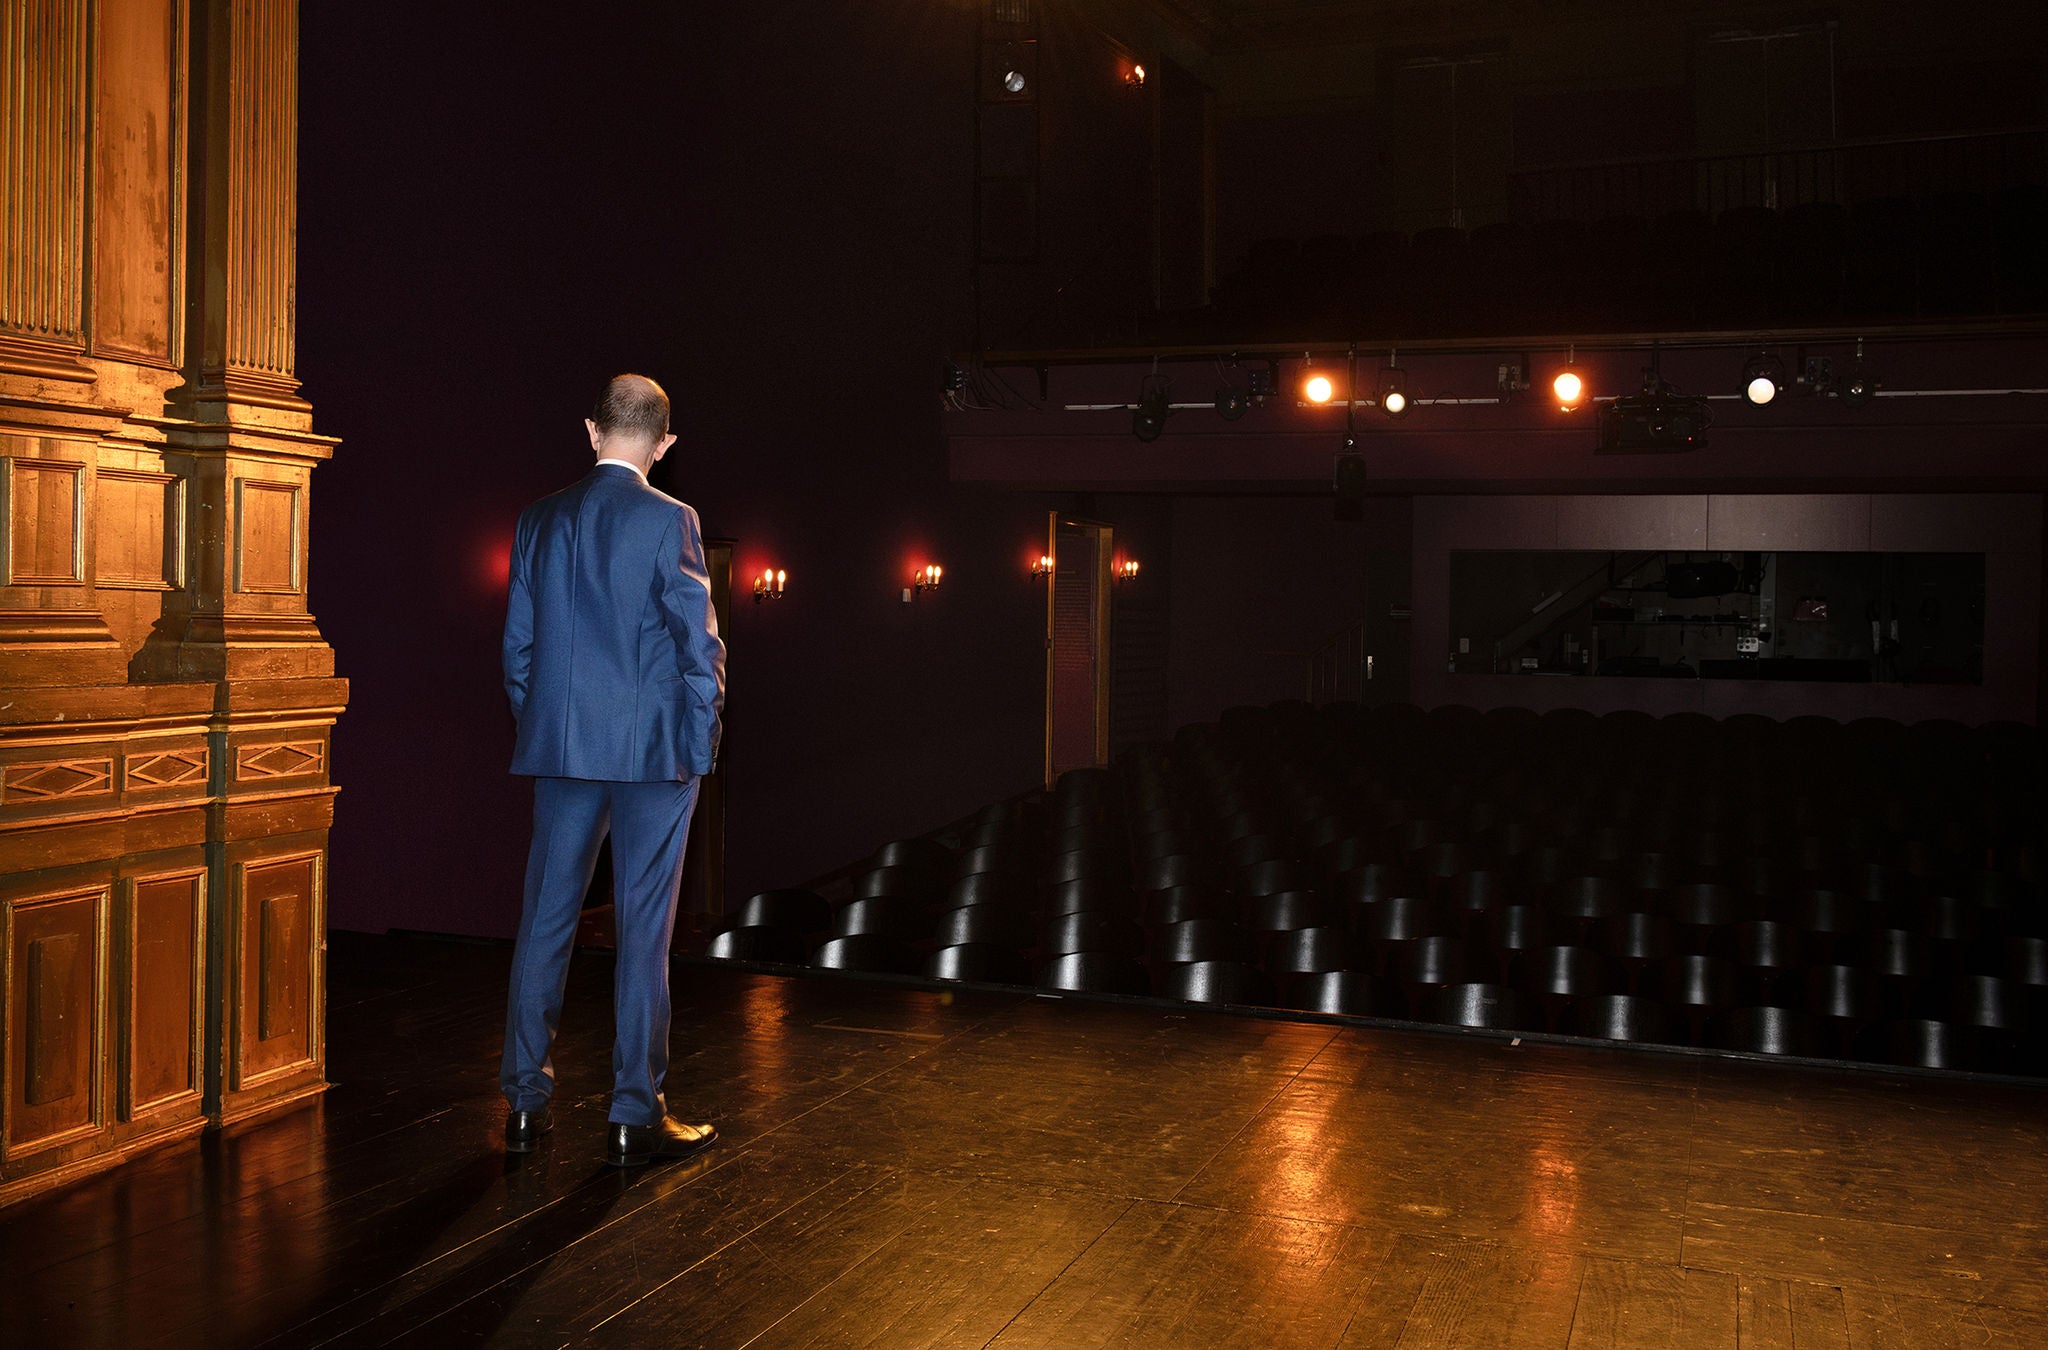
(925, 578)
(1134, 76)
(768, 586)
(1042, 567)
(1127, 570)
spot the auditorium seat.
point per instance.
(1308, 951)
(898, 882)
(757, 942)
(1865, 890)
(897, 916)
(1089, 894)
(1489, 1006)
(979, 963)
(1196, 940)
(1094, 932)
(1767, 1030)
(1178, 903)
(1619, 1017)
(1213, 982)
(873, 953)
(984, 924)
(797, 911)
(1557, 977)
(1005, 890)
(1093, 973)
(926, 859)
(1283, 911)
(1698, 989)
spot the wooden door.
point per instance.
(1077, 645)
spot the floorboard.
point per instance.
(903, 1168)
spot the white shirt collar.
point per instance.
(638, 472)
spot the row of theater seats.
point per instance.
(1862, 892)
(1814, 263)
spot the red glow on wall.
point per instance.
(490, 564)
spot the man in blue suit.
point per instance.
(617, 678)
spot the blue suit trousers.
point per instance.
(649, 824)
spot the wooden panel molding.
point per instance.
(42, 502)
(55, 984)
(43, 90)
(164, 991)
(56, 780)
(279, 759)
(139, 539)
(267, 537)
(167, 768)
(275, 943)
(138, 188)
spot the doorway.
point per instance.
(1077, 645)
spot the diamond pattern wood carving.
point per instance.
(56, 779)
(280, 759)
(168, 769)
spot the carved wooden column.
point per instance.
(246, 445)
(165, 695)
(50, 630)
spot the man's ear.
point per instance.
(661, 446)
(595, 436)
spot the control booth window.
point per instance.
(1902, 618)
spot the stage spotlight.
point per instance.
(1153, 406)
(1856, 386)
(1232, 402)
(1569, 388)
(1761, 379)
(1393, 393)
(1316, 387)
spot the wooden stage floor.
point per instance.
(902, 1169)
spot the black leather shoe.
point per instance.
(523, 1129)
(634, 1145)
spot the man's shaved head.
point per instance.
(633, 407)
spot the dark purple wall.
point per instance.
(769, 219)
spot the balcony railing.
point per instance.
(1983, 163)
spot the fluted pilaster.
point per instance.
(43, 107)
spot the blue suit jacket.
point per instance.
(612, 657)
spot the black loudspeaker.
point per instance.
(1350, 476)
